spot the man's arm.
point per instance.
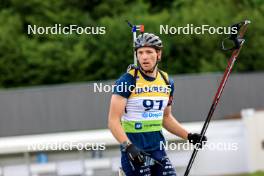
(172, 125)
(117, 107)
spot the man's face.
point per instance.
(147, 57)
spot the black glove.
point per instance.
(135, 155)
(194, 138)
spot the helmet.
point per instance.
(148, 39)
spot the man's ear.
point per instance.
(159, 52)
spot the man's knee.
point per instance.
(131, 169)
(138, 171)
(165, 168)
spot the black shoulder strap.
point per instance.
(164, 78)
(131, 67)
(135, 75)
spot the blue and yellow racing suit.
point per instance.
(147, 97)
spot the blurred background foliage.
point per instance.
(27, 60)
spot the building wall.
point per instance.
(73, 107)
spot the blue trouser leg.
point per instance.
(166, 168)
(132, 169)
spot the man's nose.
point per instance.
(144, 55)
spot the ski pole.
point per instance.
(238, 42)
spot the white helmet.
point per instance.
(148, 39)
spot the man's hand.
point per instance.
(195, 138)
(135, 155)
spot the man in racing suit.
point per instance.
(140, 106)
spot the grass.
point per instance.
(254, 174)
